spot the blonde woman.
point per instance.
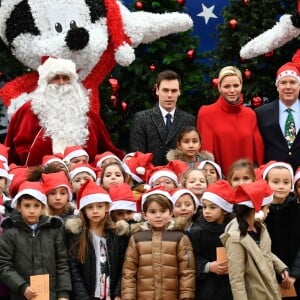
(229, 129)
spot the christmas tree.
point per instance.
(243, 21)
(131, 89)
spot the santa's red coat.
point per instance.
(230, 132)
(28, 145)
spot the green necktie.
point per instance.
(290, 128)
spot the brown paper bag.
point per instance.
(40, 284)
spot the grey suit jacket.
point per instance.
(148, 132)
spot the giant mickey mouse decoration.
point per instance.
(95, 34)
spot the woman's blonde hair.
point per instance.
(229, 71)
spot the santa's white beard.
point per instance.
(62, 112)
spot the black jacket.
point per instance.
(83, 275)
(205, 239)
(148, 132)
(24, 252)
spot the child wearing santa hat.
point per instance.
(248, 245)
(283, 220)
(79, 174)
(185, 205)
(212, 170)
(196, 181)
(96, 249)
(241, 172)
(55, 161)
(167, 176)
(136, 165)
(113, 173)
(59, 194)
(159, 259)
(124, 204)
(32, 244)
(74, 155)
(212, 281)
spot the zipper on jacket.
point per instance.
(187, 257)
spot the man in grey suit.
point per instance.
(155, 130)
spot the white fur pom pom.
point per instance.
(140, 170)
(137, 217)
(259, 216)
(147, 187)
(76, 212)
(124, 55)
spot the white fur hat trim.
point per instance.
(163, 173)
(34, 193)
(216, 199)
(123, 204)
(94, 198)
(78, 170)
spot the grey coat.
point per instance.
(148, 132)
(24, 252)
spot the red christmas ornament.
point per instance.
(246, 2)
(139, 5)
(113, 100)
(247, 74)
(233, 23)
(152, 67)
(256, 101)
(124, 106)
(181, 2)
(215, 82)
(114, 84)
(269, 54)
(191, 54)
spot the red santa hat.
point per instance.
(52, 158)
(17, 175)
(274, 164)
(214, 164)
(122, 197)
(52, 181)
(80, 168)
(74, 151)
(137, 165)
(100, 158)
(288, 69)
(173, 170)
(177, 193)
(32, 188)
(254, 195)
(51, 66)
(123, 52)
(221, 194)
(158, 190)
(90, 193)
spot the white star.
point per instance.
(207, 13)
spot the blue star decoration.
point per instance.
(206, 15)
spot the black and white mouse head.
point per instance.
(71, 29)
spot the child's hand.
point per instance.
(62, 298)
(29, 293)
(118, 298)
(286, 280)
(219, 267)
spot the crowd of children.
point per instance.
(130, 230)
